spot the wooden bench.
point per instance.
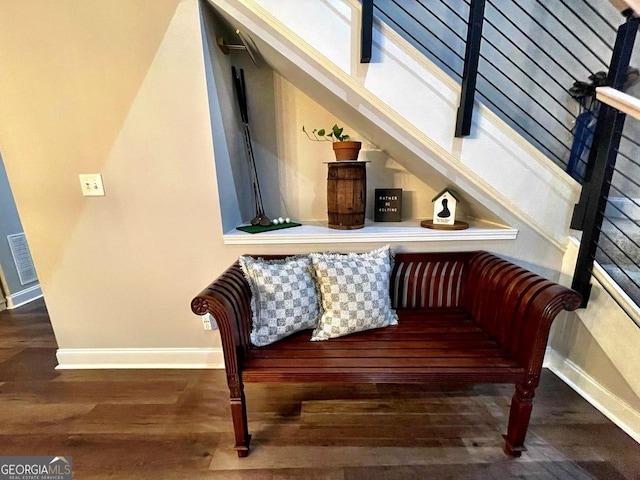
(467, 317)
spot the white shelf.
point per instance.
(409, 231)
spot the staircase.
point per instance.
(620, 255)
(530, 55)
(415, 119)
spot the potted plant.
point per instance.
(343, 148)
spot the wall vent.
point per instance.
(22, 258)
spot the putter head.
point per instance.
(264, 221)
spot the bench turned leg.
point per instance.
(519, 416)
(239, 416)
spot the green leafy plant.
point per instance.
(321, 135)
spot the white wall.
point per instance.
(301, 170)
(595, 350)
(116, 88)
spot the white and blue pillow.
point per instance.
(354, 292)
(284, 299)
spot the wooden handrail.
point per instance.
(621, 101)
(623, 5)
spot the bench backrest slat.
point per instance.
(428, 280)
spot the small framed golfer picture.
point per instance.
(388, 205)
(444, 208)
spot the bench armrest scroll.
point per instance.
(228, 299)
(516, 306)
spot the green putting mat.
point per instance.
(268, 228)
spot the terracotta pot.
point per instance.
(346, 150)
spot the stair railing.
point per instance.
(521, 59)
(589, 214)
(526, 86)
(470, 71)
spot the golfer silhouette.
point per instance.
(445, 209)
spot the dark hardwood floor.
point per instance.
(175, 424)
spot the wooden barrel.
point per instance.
(346, 194)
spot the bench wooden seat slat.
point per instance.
(409, 342)
(464, 317)
(387, 375)
(482, 341)
(434, 314)
(378, 353)
(342, 370)
(427, 329)
(409, 333)
(385, 362)
(390, 335)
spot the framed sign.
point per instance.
(388, 205)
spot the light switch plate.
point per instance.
(91, 184)
(208, 322)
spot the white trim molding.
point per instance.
(610, 405)
(23, 297)
(139, 358)
(317, 232)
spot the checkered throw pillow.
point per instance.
(354, 292)
(284, 298)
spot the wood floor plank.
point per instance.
(351, 456)
(127, 375)
(388, 406)
(495, 471)
(120, 455)
(281, 435)
(39, 418)
(31, 363)
(94, 391)
(6, 353)
(153, 419)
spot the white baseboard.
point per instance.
(139, 358)
(610, 405)
(23, 297)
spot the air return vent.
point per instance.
(22, 258)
